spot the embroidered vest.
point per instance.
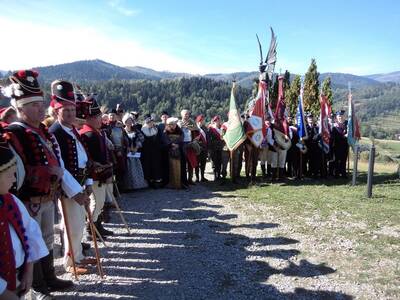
(10, 214)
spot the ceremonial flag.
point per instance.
(324, 123)
(256, 120)
(301, 123)
(234, 134)
(353, 127)
(280, 117)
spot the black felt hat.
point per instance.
(87, 108)
(24, 88)
(62, 93)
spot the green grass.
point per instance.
(332, 210)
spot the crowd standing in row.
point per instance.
(78, 157)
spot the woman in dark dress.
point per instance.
(173, 142)
(151, 153)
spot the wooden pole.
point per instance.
(348, 160)
(370, 170)
(96, 249)
(119, 209)
(66, 227)
(355, 165)
(300, 175)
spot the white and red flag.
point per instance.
(256, 121)
(324, 129)
(280, 116)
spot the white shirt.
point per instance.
(187, 134)
(270, 140)
(37, 246)
(82, 156)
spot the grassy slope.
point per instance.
(360, 237)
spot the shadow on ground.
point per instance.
(184, 249)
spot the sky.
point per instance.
(207, 36)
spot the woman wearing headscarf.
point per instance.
(134, 177)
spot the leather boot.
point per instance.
(269, 170)
(282, 173)
(264, 173)
(104, 232)
(39, 285)
(274, 174)
(49, 275)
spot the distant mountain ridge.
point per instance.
(89, 70)
(98, 70)
(159, 74)
(387, 77)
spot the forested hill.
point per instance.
(198, 94)
(89, 70)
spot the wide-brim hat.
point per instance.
(87, 108)
(24, 88)
(62, 94)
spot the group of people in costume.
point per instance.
(75, 159)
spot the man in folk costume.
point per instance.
(76, 162)
(264, 150)
(164, 149)
(280, 130)
(293, 152)
(226, 154)
(118, 137)
(216, 144)
(314, 153)
(202, 157)
(101, 171)
(21, 242)
(190, 149)
(46, 175)
(340, 145)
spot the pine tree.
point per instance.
(273, 94)
(327, 89)
(311, 89)
(292, 96)
(286, 81)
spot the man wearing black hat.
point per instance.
(76, 162)
(96, 142)
(340, 145)
(45, 172)
(314, 153)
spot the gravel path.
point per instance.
(203, 244)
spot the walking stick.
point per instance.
(119, 209)
(94, 226)
(93, 230)
(66, 225)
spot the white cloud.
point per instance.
(119, 7)
(30, 45)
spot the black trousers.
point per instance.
(216, 157)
